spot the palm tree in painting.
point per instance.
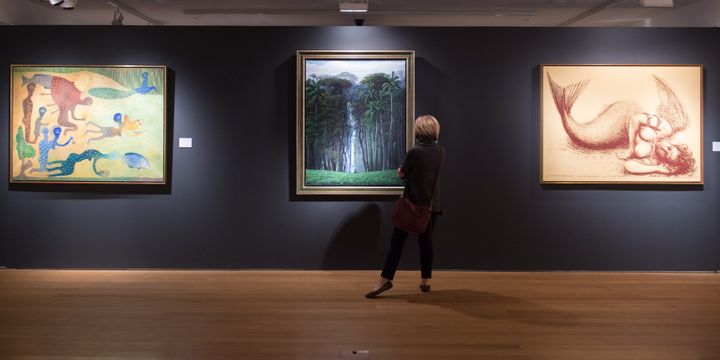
(314, 96)
(391, 85)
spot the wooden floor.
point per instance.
(323, 315)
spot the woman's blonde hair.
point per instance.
(427, 128)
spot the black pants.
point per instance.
(396, 247)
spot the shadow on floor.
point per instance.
(489, 306)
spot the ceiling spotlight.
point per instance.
(55, 2)
(353, 6)
(657, 3)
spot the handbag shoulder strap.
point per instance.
(437, 174)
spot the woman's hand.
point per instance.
(400, 173)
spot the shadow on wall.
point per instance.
(355, 241)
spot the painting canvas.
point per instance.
(354, 121)
(625, 124)
(87, 124)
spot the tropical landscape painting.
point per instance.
(622, 124)
(87, 124)
(354, 121)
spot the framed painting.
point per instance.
(87, 124)
(354, 121)
(621, 124)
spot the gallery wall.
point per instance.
(231, 204)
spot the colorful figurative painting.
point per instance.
(87, 124)
(624, 124)
(355, 112)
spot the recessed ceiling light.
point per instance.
(353, 6)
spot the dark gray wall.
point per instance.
(230, 204)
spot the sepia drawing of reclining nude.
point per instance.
(648, 139)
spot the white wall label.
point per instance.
(716, 145)
(185, 142)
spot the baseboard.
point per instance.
(372, 270)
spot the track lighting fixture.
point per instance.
(65, 4)
(69, 4)
(118, 17)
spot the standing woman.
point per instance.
(419, 169)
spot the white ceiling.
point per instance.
(541, 13)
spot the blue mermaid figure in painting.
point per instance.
(46, 145)
(67, 167)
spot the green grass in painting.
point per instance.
(130, 77)
(336, 178)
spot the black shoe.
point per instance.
(424, 288)
(386, 286)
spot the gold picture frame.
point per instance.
(88, 124)
(621, 124)
(355, 111)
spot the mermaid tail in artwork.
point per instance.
(110, 93)
(608, 130)
(565, 97)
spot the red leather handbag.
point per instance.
(409, 217)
